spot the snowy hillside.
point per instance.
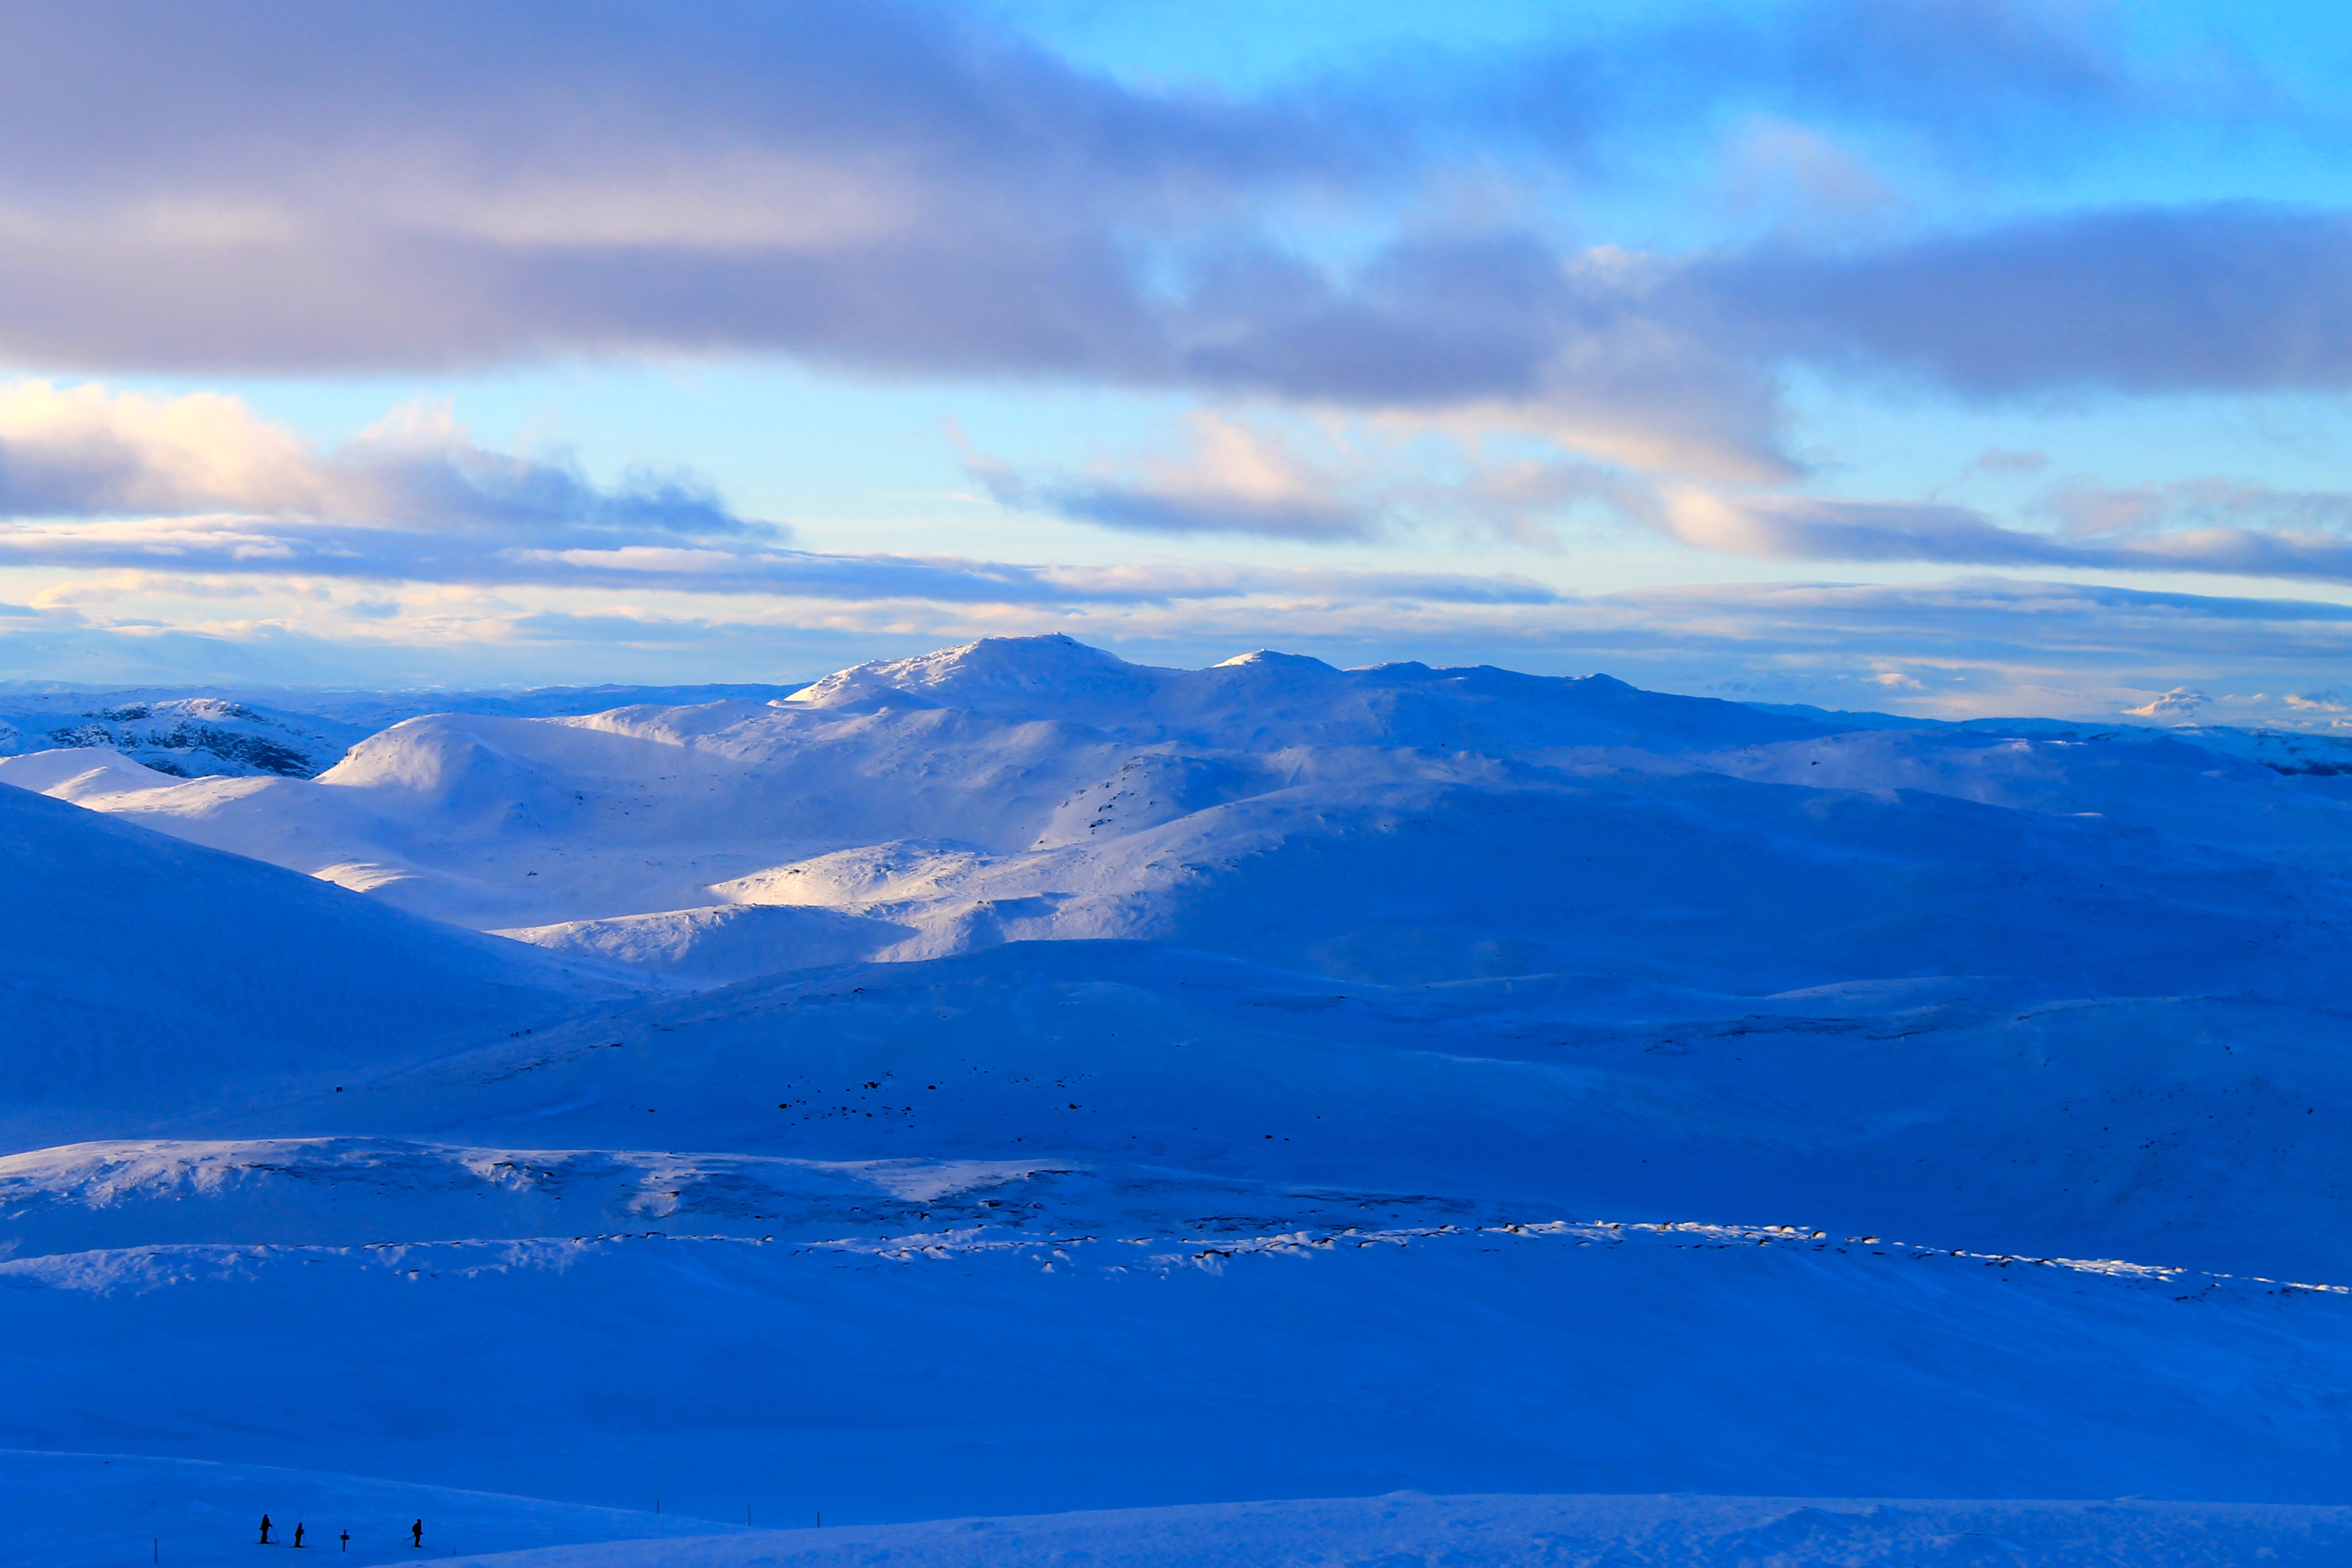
(182, 737)
(1392, 823)
(288, 733)
(146, 979)
(1045, 1082)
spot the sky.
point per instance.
(1947, 357)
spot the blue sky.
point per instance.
(1948, 357)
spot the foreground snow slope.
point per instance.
(928, 1374)
(76, 1511)
(1170, 1227)
(1407, 1528)
(146, 979)
(68, 1510)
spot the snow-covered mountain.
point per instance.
(285, 733)
(1396, 822)
(181, 737)
(1041, 1082)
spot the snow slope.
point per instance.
(184, 737)
(2185, 792)
(73, 1511)
(144, 979)
(1059, 1084)
(878, 1376)
(1540, 1532)
(290, 733)
(2177, 1129)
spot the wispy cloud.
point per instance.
(280, 548)
(2108, 531)
(1328, 480)
(1224, 475)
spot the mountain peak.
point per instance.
(983, 675)
(1269, 657)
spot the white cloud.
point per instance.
(2179, 705)
(86, 451)
(204, 460)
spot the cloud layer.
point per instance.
(2133, 530)
(216, 187)
(97, 480)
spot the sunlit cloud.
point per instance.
(225, 480)
(2111, 532)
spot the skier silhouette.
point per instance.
(417, 1531)
(298, 1532)
(265, 1529)
(347, 1541)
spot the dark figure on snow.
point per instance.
(347, 1541)
(298, 1532)
(416, 1534)
(265, 1529)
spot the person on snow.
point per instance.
(416, 1534)
(347, 1541)
(265, 1529)
(298, 1532)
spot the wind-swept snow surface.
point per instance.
(78, 1511)
(1539, 1532)
(1014, 1080)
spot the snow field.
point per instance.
(1014, 1080)
(1407, 1530)
(101, 1510)
(893, 1381)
